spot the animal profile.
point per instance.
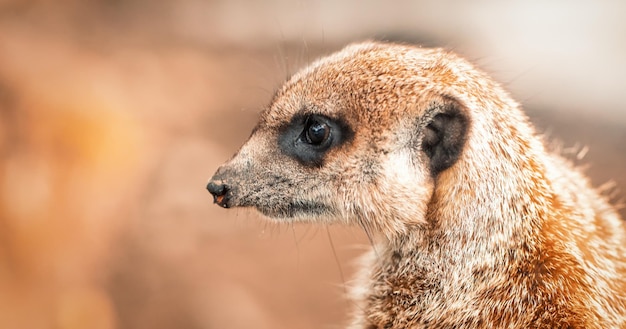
(476, 223)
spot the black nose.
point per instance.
(220, 193)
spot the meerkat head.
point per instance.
(361, 136)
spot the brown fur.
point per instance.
(501, 234)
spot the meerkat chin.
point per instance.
(480, 226)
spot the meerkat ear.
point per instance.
(444, 135)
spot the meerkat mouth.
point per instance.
(219, 199)
(295, 209)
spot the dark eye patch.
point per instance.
(308, 137)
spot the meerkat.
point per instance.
(475, 223)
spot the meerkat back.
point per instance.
(476, 224)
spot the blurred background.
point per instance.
(114, 114)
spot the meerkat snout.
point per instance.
(475, 223)
(219, 191)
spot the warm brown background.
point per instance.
(115, 113)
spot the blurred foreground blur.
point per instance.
(114, 114)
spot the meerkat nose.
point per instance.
(219, 192)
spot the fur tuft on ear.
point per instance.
(444, 136)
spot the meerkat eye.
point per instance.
(308, 137)
(316, 132)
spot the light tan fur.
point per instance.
(507, 236)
